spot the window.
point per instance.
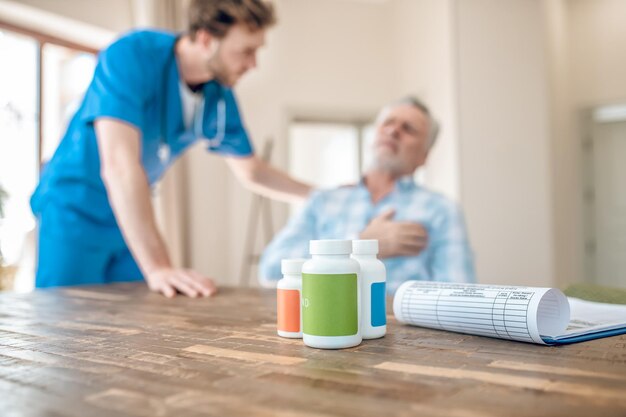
(18, 139)
(41, 82)
(324, 154)
(66, 75)
(328, 154)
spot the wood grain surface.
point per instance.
(120, 350)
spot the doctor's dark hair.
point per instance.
(217, 16)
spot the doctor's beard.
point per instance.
(220, 72)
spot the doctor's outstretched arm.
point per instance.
(260, 177)
(127, 186)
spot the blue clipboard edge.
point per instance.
(584, 337)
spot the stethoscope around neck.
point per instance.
(198, 117)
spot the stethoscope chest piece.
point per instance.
(164, 153)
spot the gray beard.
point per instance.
(389, 166)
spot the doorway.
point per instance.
(605, 197)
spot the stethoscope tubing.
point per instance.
(215, 142)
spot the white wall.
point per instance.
(504, 139)
(587, 45)
(565, 157)
(56, 23)
(597, 61)
(423, 42)
(115, 15)
(597, 50)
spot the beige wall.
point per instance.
(504, 139)
(49, 21)
(423, 42)
(597, 45)
(566, 210)
(535, 174)
(587, 45)
(115, 15)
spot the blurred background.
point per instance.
(531, 95)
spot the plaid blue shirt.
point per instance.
(342, 213)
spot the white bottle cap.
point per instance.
(365, 247)
(292, 266)
(330, 247)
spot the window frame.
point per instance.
(42, 39)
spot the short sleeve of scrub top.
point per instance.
(235, 140)
(119, 84)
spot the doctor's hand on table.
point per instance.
(396, 238)
(129, 194)
(191, 283)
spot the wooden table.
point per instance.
(120, 350)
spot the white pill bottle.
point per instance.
(331, 291)
(288, 299)
(373, 277)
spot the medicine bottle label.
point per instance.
(330, 304)
(288, 311)
(379, 316)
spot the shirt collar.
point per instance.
(404, 183)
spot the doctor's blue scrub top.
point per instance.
(136, 81)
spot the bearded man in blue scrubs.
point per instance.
(153, 95)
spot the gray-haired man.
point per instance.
(421, 233)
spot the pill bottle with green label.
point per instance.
(331, 291)
(373, 276)
(288, 300)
